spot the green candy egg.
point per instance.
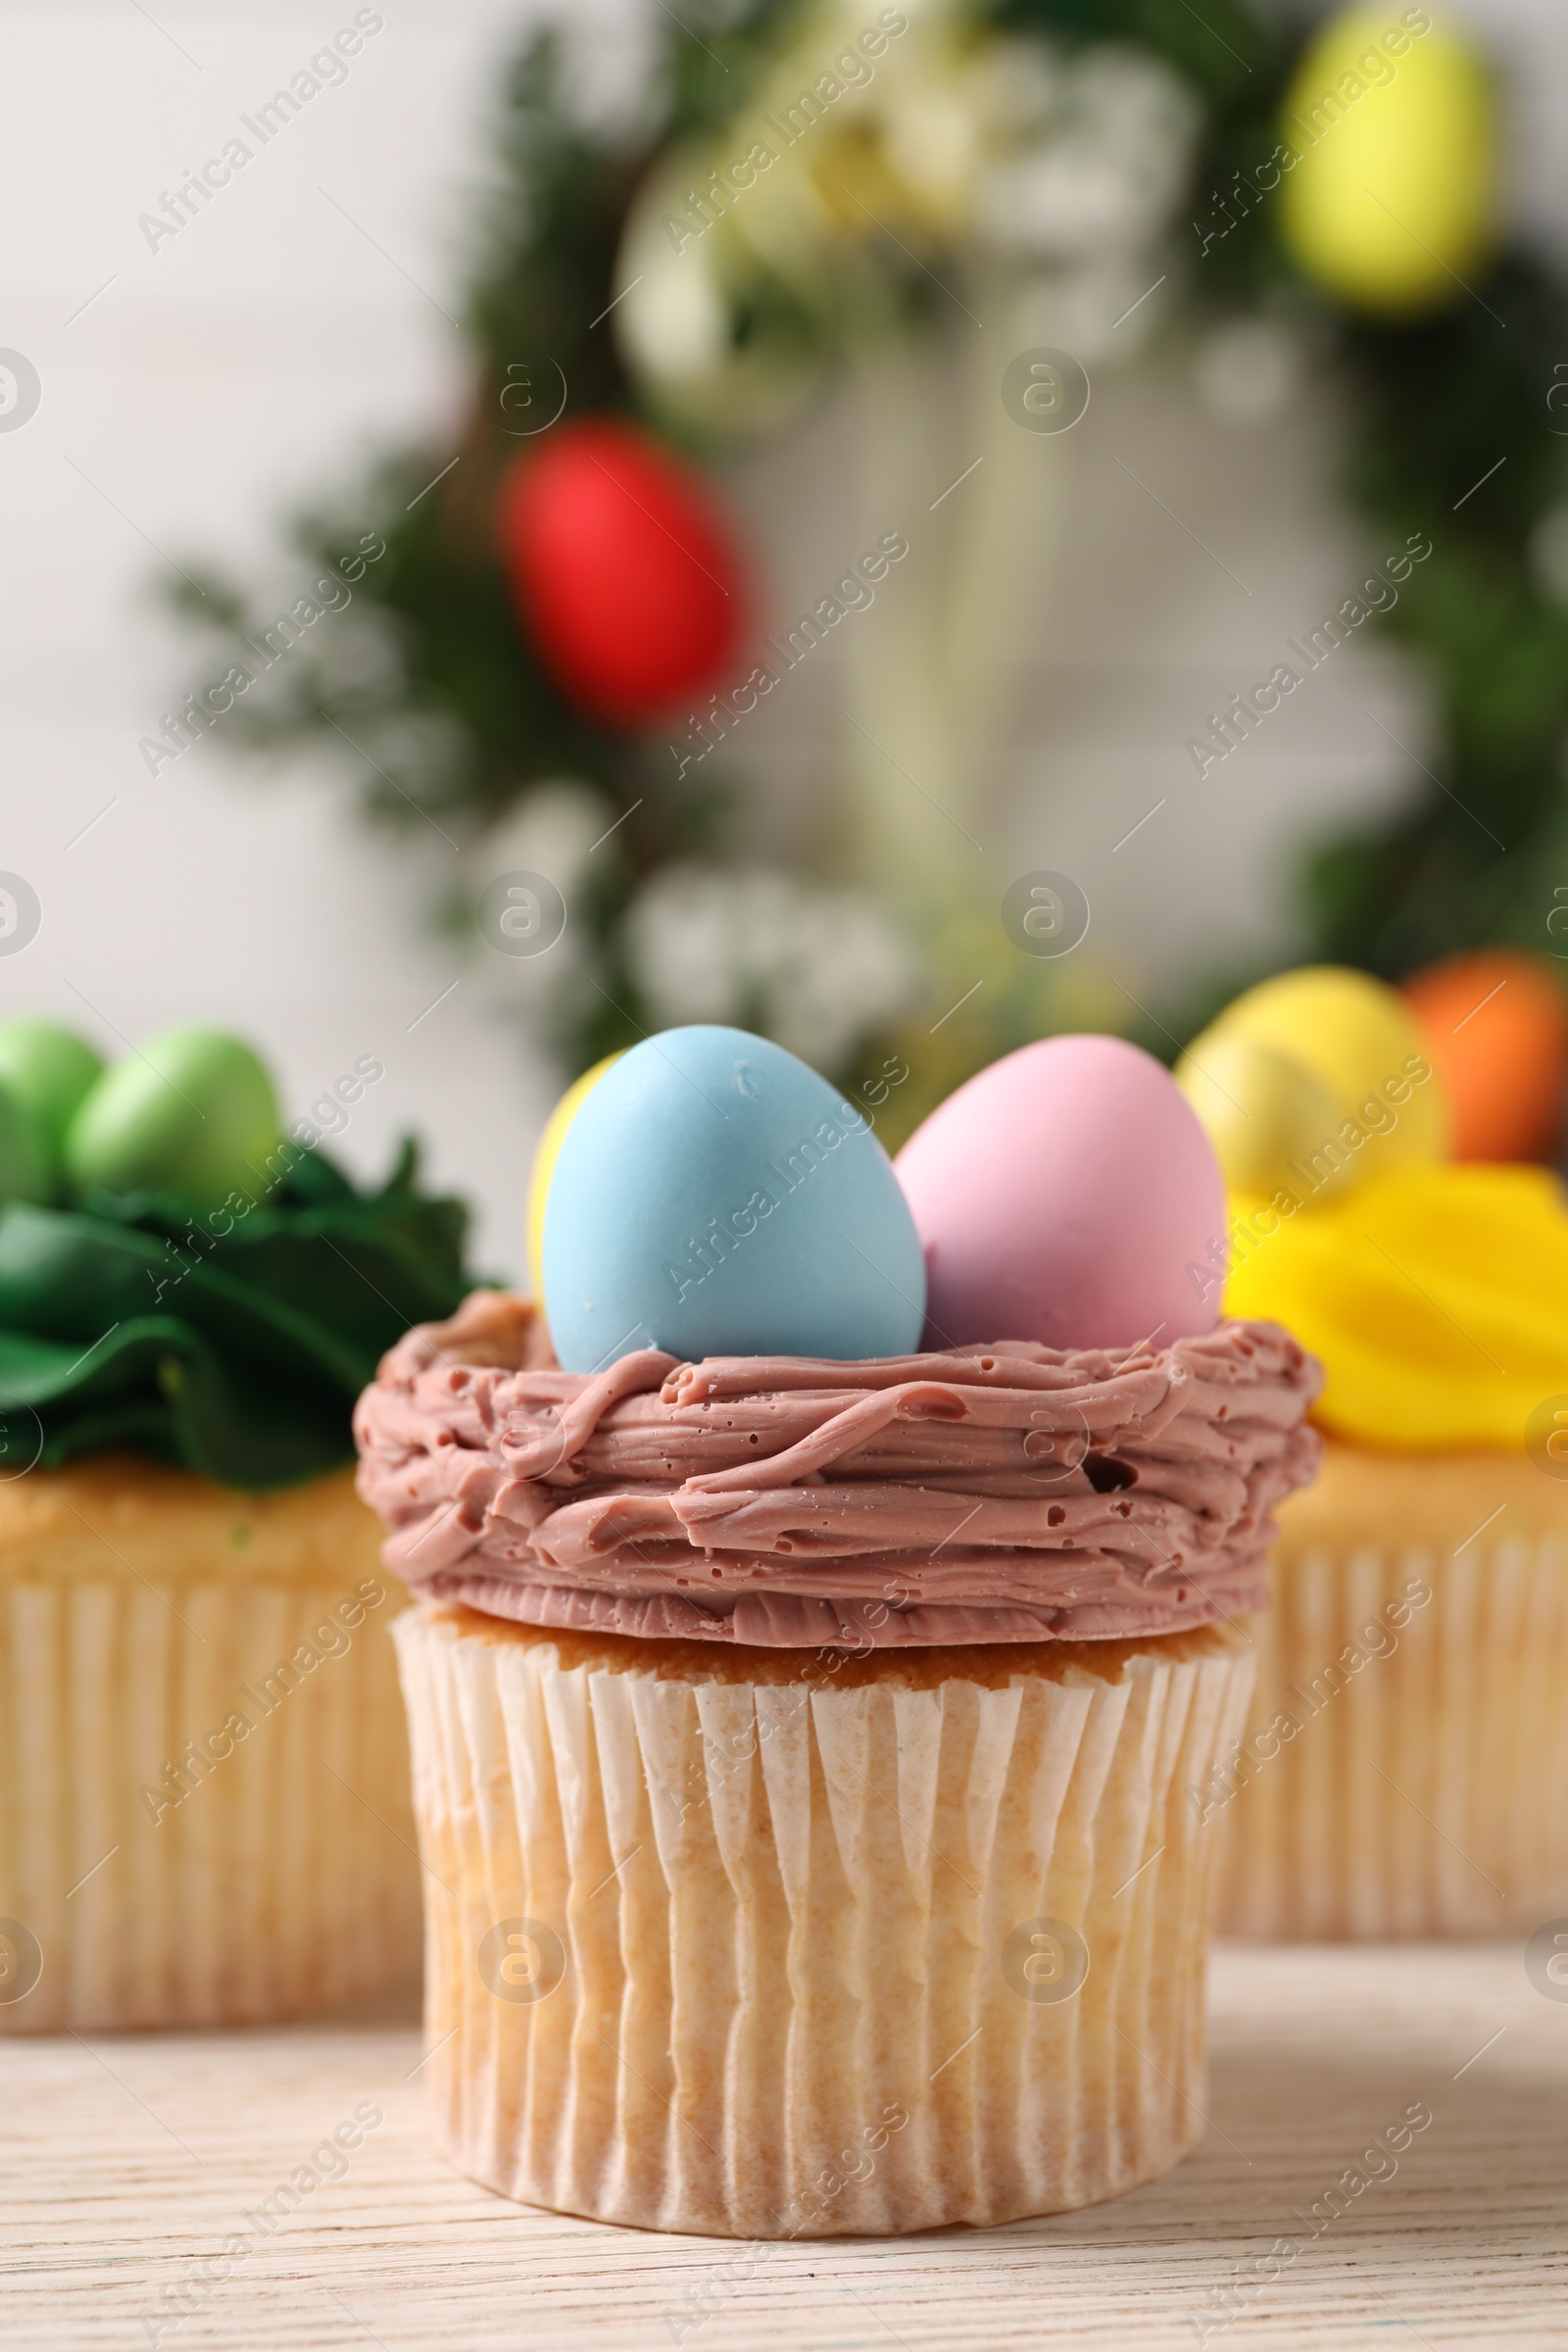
(25, 1162)
(49, 1069)
(190, 1111)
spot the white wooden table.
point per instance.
(128, 2163)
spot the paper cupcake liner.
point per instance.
(159, 1865)
(711, 1950)
(1405, 1769)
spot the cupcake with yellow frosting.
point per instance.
(1406, 1770)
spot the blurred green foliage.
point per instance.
(426, 684)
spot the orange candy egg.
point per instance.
(1495, 1024)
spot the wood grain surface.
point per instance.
(129, 2164)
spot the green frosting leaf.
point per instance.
(235, 1344)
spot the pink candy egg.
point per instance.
(1067, 1194)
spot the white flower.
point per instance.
(673, 317)
(553, 834)
(1102, 169)
(1019, 84)
(680, 290)
(817, 970)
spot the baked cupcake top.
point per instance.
(1010, 1492)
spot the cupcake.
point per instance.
(1404, 1771)
(204, 1813)
(807, 1696)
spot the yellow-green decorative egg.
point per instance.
(1328, 1067)
(1392, 200)
(544, 1164)
(50, 1068)
(1260, 1108)
(190, 1112)
(26, 1172)
(48, 1071)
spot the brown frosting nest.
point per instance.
(1014, 1492)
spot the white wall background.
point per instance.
(191, 396)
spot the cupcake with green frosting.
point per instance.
(204, 1815)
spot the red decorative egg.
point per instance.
(624, 573)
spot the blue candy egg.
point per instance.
(715, 1197)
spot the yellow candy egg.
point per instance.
(1392, 200)
(1357, 1044)
(544, 1164)
(1261, 1109)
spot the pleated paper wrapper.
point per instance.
(140, 1609)
(711, 1950)
(1418, 1645)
